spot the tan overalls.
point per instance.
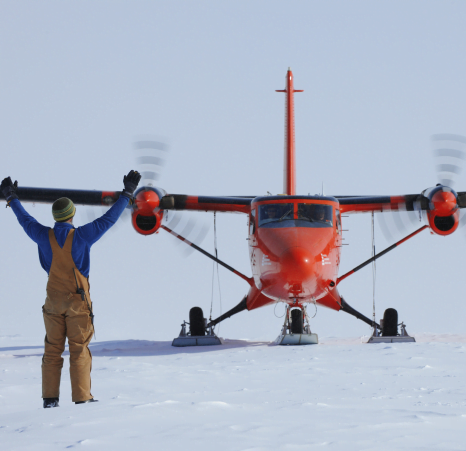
(66, 315)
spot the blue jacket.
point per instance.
(84, 237)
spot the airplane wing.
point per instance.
(79, 197)
(206, 203)
(408, 202)
(167, 202)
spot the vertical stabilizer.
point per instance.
(289, 170)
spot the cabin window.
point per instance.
(275, 213)
(338, 219)
(316, 215)
(252, 222)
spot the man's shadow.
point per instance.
(137, 348)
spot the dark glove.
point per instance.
(8, 189)
(131, 183)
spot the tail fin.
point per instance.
(289, 171)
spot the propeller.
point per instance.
(395, 224)
(93, 213)
(151, 154)
(449, 153)
(188, 226)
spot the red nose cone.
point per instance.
(444, 203)
(147, 201)
(297, 264)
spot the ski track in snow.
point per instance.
(245, 396)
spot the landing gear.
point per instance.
(297, 323)
(296, 328)
(196, 322)
(199, 334)
(389, 326)
(390, 323)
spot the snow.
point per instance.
(244, 395)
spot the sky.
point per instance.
(81, 80)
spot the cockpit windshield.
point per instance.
(284, 215)
(316, 213)
(275, 213)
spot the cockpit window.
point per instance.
(275, 213)
(284, 215)
(317, 214)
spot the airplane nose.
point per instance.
(297, 263)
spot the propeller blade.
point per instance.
(151, 156)
(395, 224)
(462, 225)
(189, 227)
(449, 152)
(94, 213)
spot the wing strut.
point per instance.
(348, 309)
(238, 308)
(375, 257)
(249, 280)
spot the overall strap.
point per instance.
(69, 241)
(54, 243)
(61, 276)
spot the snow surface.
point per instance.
(244, 395)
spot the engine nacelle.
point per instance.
(443, 214)
(147, 215)
(443, 225)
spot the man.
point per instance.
(64, 253)
(268, 213)
(320, 216)
(319, 213)
(272, 212)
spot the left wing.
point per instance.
(408, 202)
(167, 202)
(206, 203)
(78, 196)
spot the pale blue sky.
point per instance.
(80, 79)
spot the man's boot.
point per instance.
(50, 402)
(85, 402)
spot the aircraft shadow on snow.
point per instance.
(139, 348)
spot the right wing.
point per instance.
(408, 202)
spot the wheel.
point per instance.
(390, 323)
(196, 322)
(297, 321)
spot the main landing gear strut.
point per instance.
(200, 333)
(387, 330)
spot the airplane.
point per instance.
(294, 241)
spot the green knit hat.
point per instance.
(63, 209)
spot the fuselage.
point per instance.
(294, 248)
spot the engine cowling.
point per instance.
(147, 215)
(443, 214)
(443, 225)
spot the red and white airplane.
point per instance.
(294, 241)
